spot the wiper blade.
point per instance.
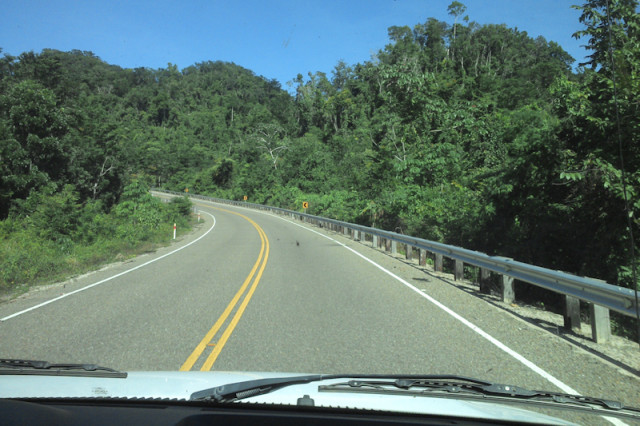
(247, 389)
(452, 384)
(474, 387)
(31, 367)
(240, 390)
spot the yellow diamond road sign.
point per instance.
(305, 205)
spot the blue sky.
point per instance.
(275, 39)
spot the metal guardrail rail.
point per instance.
(615, 298)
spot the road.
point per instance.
(251, 291)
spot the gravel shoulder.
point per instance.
(620, 352)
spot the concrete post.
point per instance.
(571, 313)
(600, 325)
(374, 241)
(459, 270)
(409, 252)
(422, 260)
(394, 247)
(438, 265)
(508, 294)
(485, 281)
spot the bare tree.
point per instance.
(272, 139)
(107, 166)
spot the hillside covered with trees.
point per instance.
(475, 135)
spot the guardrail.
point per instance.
(601, 296)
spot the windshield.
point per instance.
(434, 165)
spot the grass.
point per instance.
(27, 260)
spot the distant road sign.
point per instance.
(305, 205)
(186, 190)
(245, 198)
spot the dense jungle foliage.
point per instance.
(474, 135)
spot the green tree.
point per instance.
(32, 149)
(600, 113)
(456, 9)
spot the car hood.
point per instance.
(180, 385)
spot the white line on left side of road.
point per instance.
(113, 276)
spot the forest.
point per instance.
(474, 135)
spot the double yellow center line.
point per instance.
(207, 340)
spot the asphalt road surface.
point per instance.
(252, 291)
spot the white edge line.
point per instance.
(113, 276)
(561, 385)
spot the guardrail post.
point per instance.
(409, 252)
(600, 325)
(508, 295)
(438, 265)
(422, 259)
(617, 299)
(394, 247)
(459, 270)
(571, 313)
(485, 281)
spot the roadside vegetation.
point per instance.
(51, 235)
(475, 135)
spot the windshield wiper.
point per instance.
(30, 367)
(240, 390)
(472, 388)
(432, 385)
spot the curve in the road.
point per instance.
(467, 323)
(260, 263)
